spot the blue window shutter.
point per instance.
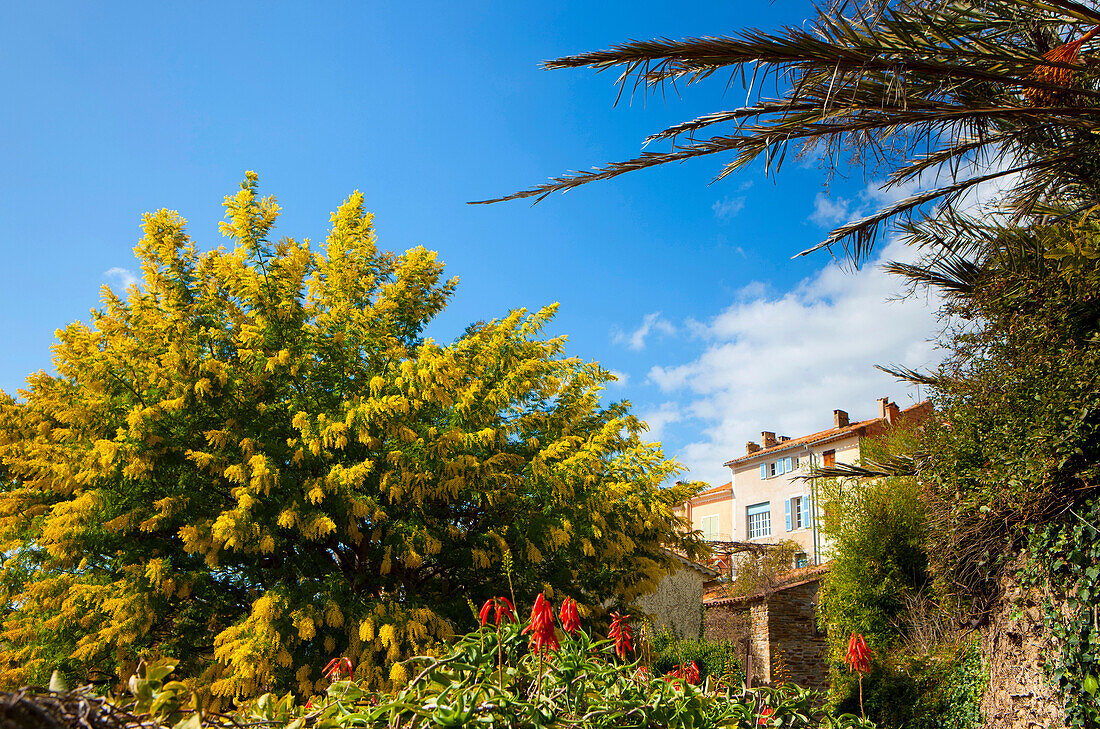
(790, 465)
(779, 467)
(763, 471)
(805, 511)
(787, 504)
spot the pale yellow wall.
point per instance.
(720, 508)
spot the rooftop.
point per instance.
(829, 434)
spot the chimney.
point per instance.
(840, 418)
(883, 405)
(784, 438)
(893, 413)
(751, 447)
(767, 439)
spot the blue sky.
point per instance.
(686, 289)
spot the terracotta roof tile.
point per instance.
(715, 490)
(851, 428)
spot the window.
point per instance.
(760, 520)
(778, 468)
(709, 526)
(796, 462)
(830, 458)
(801, 560)
(797, 509)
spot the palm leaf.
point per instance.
(921, 87)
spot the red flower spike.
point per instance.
(483, 615)
(691, 673)
(859, 655)
(542, 626)
(766, 712)
(337, 668)
(620, 633)
(688, 672)
(505, 608)
(500, 607)
(570, 618)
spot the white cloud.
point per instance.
(784, 363)
(830, 211)
(660, 417)
(621, 379)
(124, 276)
(650, 323)
(728, 207)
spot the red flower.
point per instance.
(570, 618)
(542, 625)
(337, 668)
(620, 633)
(859, 655)
(503, 608)
(688, 672)
(764, 714)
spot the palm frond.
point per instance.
(905, 374)
(950, 273)
(922, 87)
(893, 466)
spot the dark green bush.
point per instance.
(714, 658)
(942, 690)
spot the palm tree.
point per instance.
(960, 92)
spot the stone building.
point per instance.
(776, 630)
(677, 601)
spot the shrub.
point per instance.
(718, 659)
(756, 572)
(940, 690)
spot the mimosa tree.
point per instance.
(257, 462)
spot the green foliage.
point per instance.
(941, 690)
(257, 461)
(1018, 440)
(756, 572)
(492, 678)
(878, 528)
(717, 659)
(1065, 559)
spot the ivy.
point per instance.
(1065, 558)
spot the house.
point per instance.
(768, 498)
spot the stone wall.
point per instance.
(675, 602)
(793, 637)
(1014, 646)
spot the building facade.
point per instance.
(770, 497)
